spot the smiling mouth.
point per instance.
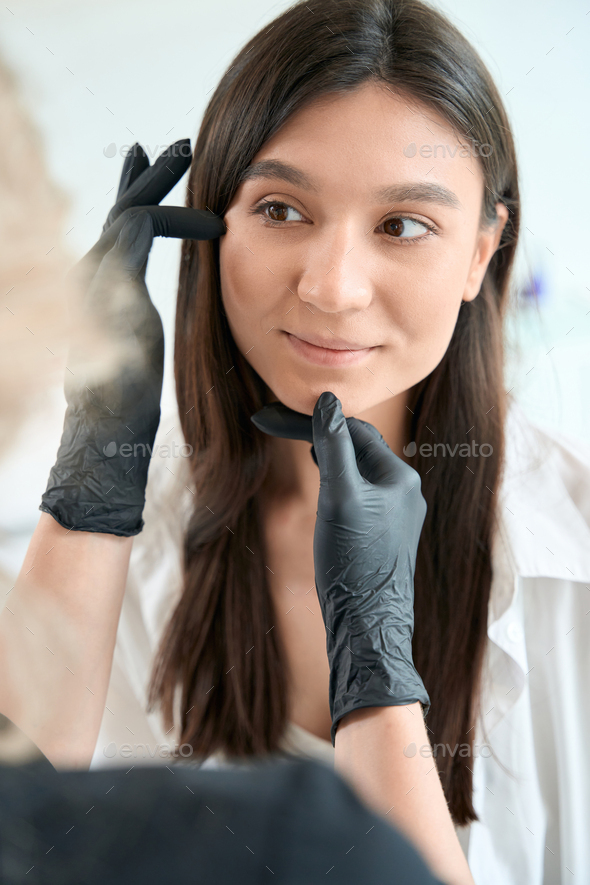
(334, 343)
(327, 356)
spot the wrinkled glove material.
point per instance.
(369, 519)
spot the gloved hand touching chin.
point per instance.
(370, 514)
(94, 486)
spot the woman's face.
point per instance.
(345, 265)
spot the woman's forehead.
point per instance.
(372, 145)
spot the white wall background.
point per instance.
(95, 74)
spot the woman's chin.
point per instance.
(304, 401)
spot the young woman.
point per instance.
(361, 159)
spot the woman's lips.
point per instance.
(322, 356)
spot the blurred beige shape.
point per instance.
(43, 311)
(34, 324)
(33, 262)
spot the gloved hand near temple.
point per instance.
(369, 519)
(93, 486)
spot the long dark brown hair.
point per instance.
(221, 668)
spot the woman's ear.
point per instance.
(488, 242)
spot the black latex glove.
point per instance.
(369, 518)
(94, 486)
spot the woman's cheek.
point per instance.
(248, 308)
(237, 283)
(248, 289)
(430, 319)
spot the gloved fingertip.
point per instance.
(328, 412)
(327, 398)
(175, 151)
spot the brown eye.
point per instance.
(396, 226)
(404, 228)
(278, 209)
(274, 212)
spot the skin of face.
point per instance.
(342, 263)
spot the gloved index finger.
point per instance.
(166, 221)
(334, 448)
(185, 223)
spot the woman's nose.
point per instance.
(336, 275)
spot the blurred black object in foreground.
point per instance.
(280, 820)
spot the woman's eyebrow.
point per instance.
(418, 191)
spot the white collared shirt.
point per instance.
(531, 775)
(534, 826)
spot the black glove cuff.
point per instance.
(360, 703)
(98, 481)
(122, 520)
(391, 682)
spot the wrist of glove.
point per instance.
(370, 657)
(369, 519)
(98, 481)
